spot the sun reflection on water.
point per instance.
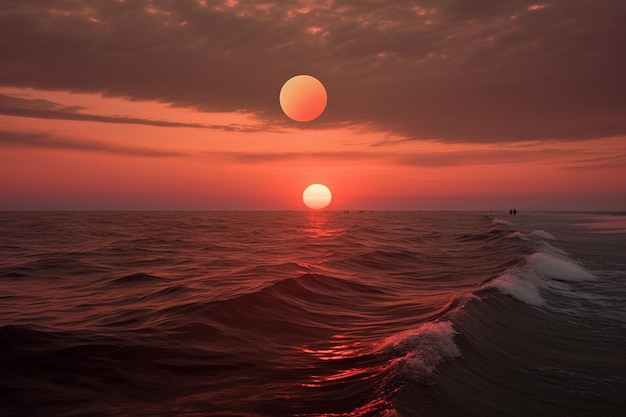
(318, 225)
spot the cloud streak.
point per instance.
(573, 158)
(22, 140)
(455, 71)
(45, 109)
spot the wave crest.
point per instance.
(525, 283)
(421, 350)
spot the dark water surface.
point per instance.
(312, 314)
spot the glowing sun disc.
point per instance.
(303, 98)
(316, 196)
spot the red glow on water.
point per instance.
(339, 350)
(318, 225)
(350, 350)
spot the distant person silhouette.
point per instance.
(515, 212)
(510, 212)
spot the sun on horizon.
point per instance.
(316, 196)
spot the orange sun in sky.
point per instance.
(303, 98)
(316, 196)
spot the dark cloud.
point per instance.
(29, 140)
(45, 109)
(600, 162)
(479, 157)
(452, 70)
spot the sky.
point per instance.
(448, 104)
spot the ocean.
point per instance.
(312, 313)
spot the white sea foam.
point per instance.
(562, 269)
(496, 222)
(421, 350)
(521, 284)
(542, 234)
(548, 248)
(542, 271)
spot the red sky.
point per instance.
(157, 104)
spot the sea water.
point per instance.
(312, 314)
